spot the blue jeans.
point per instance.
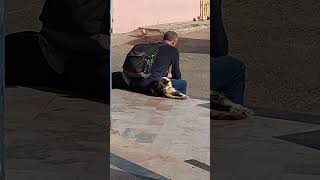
(228, 76)
(180, 85)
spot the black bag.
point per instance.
(140, 59)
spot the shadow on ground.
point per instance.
(135, 170)
(185, 45)
(308, 139)
(117, 174)
(26, 66)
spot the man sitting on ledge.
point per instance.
(166, 64)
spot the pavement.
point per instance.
(179, 128)
(147, 163)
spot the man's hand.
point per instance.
(169, 75)
(170, 72)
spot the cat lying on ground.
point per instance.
(221, 107)
(224, 109)
(164, 88)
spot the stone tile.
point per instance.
(145, 137)
(152, 103)
(122, 115)
(131, 132)
(164, 107)
(156, 120)
(179, 150)
(201, 154)
(162, 143)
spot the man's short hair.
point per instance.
(170, 36)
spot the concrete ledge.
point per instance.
(181, 27)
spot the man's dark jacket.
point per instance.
(76, 16)
(219, 41)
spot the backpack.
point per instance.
(140, 59)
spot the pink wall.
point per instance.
(128, 15)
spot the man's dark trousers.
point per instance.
(227, 74)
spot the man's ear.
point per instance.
(174, 43)
(171, 43)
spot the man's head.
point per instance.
(171, 38)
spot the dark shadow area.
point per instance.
(185, 45)
(26, 66)
(287, 115)
(118, 82)
(133, 168)
(198, 164)
(205, 105)
(309, 139)
(116, 175)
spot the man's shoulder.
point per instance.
(167, 47)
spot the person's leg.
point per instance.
(228, 77)
(180, 85)
(142, 86)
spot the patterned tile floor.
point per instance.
(179, 128)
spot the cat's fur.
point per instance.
(223, 108)
(163, 87)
